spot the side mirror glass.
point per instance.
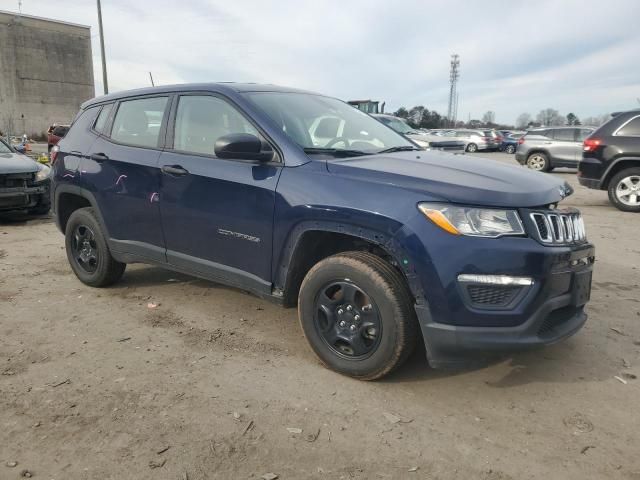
(243, 146)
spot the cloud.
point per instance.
(515, 56)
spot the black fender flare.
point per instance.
(604, 180)
(383, 240)
(79, 192)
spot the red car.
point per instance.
(55, 133)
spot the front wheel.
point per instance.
(357, 315)
(472, 148)
(87, 250)
(624, 190)
(510, 149)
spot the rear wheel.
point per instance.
(624, 190)
(472, 148)
(87, 250)
(538, 161)
(510, 149)
(357, 315)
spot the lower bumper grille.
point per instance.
(492, 296)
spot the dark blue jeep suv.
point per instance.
(305, 200)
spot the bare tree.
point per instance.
(489, 118)
(8, 124)
(550, 117)
(524, 119)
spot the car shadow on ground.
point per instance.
(19, 219)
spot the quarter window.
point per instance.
(631, 129)
(202, 120)
(101, 122)
(138, 121)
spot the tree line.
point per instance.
(421, 117)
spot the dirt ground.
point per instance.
(216, 384)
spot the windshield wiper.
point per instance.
(404, 148)
(343, 152)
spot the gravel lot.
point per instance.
(214, 383)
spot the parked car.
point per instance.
(358, 233)
(24, 183)
(544, 149)
(55, 133)
(510, 143)
(611, 160)
(475, 140)
(422, 138)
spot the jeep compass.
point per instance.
(379, 243)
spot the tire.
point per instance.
(87, 250)
(381, 321)
(624, 190)
(510, 149)
(472, 148)
(538, 161)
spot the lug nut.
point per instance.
(352, 328)
(357, 318)
(340, 311)
(342, 323)
(349, 308)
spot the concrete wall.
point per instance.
(46, 72)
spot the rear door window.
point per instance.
(138, 122)
(584, 133)
(564, 134)
(631, 129)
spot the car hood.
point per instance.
(17, 163)
(456, 178)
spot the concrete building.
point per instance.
(46, 72)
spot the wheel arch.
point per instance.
(68, 199)
(617, 166)
(311, 242)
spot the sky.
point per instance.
(515, 56)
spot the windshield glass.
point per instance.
(4, 148)
(317, 122)
(397, 124)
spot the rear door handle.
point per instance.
(99, 157)
(175, 170)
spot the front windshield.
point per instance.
(318, 123)
(4, 148)
(398, 125)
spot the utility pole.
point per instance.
(453, 93)
(104, 60)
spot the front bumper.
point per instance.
(458, 332)
(24, 198)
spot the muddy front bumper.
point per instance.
(17, 194)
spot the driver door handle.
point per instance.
(175, 170)
(99, 157)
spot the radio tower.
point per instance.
(453, 93)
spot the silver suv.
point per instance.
(478, 139)
(544, 149)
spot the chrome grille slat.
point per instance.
(559, 228)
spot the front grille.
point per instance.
(494, 296)
(15, 180)
(559, 227)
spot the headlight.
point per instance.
(43, 173)
(476, 222)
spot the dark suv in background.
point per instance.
(543, 149)
(379, 244)
(611, 160)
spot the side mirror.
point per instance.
(242, 146)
